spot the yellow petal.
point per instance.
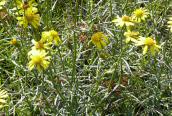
(99, 46)
(145, 49)
(157, 46)
(153, 50)
(2, 2)
(114, 20)
(127, 40)
(2, 101)
(103, 44)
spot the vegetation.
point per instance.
(86, 57)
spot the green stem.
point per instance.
(121, 55)
(111, 8)
(63, 64)
(73, 83)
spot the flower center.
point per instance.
(149, 41)
(125, 18)
(37, 60)
(30, 17)
(98, 37)
(13, 42)
(139, 13)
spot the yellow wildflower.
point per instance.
(131, 36)
(148, 43)
(23, 5)
(100, 40)
(40, 45)
(13, 41)
(51, 36)
(140, 14)
(170, 23)
(2, 3)
(39, 60)
(3, 97)
(124, 20)
(30, 17)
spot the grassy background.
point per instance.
(81, 79)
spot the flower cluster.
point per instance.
(138, 16)
(28, 13)
(38, 54)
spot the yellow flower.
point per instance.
(51, 36)
(131, 36)
(13, 41)
(140, 14)
(3, 97)
(23, 5)
(124, 20)
(170, 23)
(148, 43)
(2, 3)
(39, 60)
(40, 45)
(30, 17)
(100, 40)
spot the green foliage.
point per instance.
(81, 79)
